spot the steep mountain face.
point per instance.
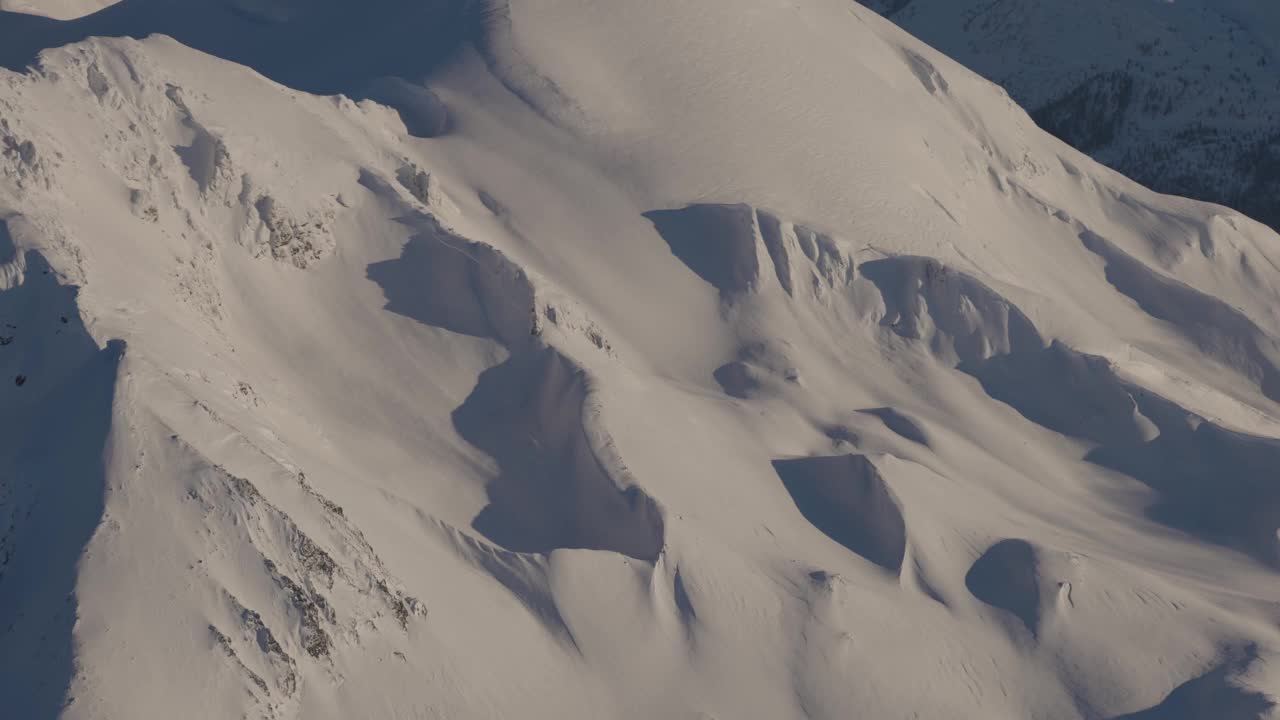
(603, 359)
(1181, 96)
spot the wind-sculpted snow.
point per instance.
(1215, 694)
(524, 575)
(958, 317)
(1066, 391)
(700, 380)
(726, 244)
(718, 242)
(206, 156)
(421, 110)
(447, 281)
(1007, 576)
(846, 498)
(901, 424)
(1219, 330)
(1209, 480)
(771, 233)
(761, 366)
(553, 491)
(926, 73)
(528, 413)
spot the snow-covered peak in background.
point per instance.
(607, 359)
(1182, 96)
(55, 9)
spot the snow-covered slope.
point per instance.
(1182, 96)
(703, 360)
(56, 9)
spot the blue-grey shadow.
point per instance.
(1212, 696)
(1215, 483)
(53, 431)
(526, 413)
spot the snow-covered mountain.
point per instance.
(1182, 96)
(608, 359)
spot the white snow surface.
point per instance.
(55, 9)
(717, 359)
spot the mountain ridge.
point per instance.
(1182, 97)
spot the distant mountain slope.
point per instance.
(1182, 96)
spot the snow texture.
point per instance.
(606, 359)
